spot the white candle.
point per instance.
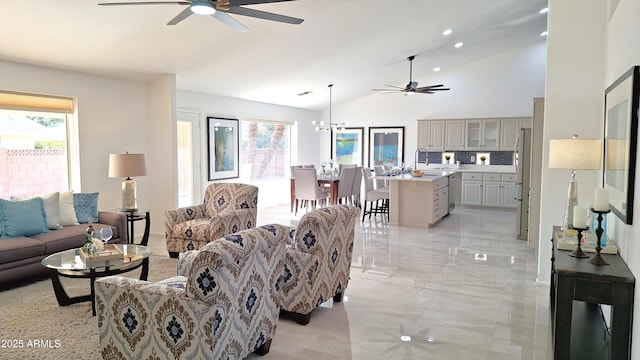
(580, 217)
(601, 202)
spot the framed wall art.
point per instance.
(223, 148)
(621, 101)
(348, 145)
(386, 146)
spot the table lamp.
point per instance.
(574, 154)
(127, 165)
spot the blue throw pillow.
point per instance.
(23, 217)
(86, 206)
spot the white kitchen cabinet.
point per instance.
(482, 135)
(471, 189)
(509, 133)
(509, 188)
(499, 190)
(431, 134)
(454, 135)
(489, 189)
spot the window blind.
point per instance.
(36, 102)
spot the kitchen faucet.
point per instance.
(415, 159)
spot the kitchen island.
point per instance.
(418, 201)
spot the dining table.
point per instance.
(328, 180)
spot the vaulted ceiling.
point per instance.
(355, 44)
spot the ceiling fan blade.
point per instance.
(229, 21)
(393, 86)
(264, 15)
(183, 15)
(255, 2)
(389, 90)
(432, 86)
(146, 3)
(438, 87)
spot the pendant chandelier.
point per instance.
(332, 126)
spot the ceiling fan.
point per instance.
(218, 9)
(412, 86)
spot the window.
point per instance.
(265, 159)
(34, 144)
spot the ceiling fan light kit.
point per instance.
(412, 86)
(202, 8)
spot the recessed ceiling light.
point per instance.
(436, 69)
(447, 32)
(458, 44)
(544, 33)
(544, 10)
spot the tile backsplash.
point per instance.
(497, 157)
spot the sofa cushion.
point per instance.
(23, 217)
(86, 207)
(67, 211)
(19, 248)
(52, 209)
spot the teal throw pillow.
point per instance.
(23, 217)
(86, 206)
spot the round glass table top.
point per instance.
(73, 261)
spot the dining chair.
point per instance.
(307, 188)
(345, 184)
(344, 166)
(380, 183)
(356, 188)
(371, 195)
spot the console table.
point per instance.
(577, 287)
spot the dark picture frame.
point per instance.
(223, 147)
(621, 102)
(386, 145)
(348, 145)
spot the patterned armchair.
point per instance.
(318, 262)
(227, 208)
(225, 307)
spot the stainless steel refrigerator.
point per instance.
(522, 161)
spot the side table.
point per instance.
(577, 287)
(132, 217)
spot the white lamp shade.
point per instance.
(575, 154)
(127, 165)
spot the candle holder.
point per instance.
(578, 253)
(597, 259)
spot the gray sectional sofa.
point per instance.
(20, 256)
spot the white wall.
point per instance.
(503, 85)
(220, 106)
(112, 118)
(161, 189)
(573, 105)
(623, 52)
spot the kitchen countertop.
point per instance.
(429, 175)
(508, 169)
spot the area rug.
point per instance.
(33, 326)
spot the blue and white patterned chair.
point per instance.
(227, 208)
(318, 262)
(224, 305)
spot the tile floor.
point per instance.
(463, 289)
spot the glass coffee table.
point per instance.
(70, 264)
